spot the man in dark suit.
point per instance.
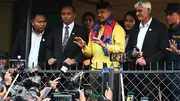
(149, 40)
(147, 43)
(61, 48)
(38, 38)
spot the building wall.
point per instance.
(120, 7)
(6, 9)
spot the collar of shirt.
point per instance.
(33, 32)
(145, 25)
(70, 25)
(177, 28)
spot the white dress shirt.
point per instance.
(142, 33)
(34, 51)
(71, 26)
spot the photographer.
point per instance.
(8, 78)
(36, 97)
(28, 88)
(4, 59)
(5, 84)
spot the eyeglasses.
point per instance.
(139, 11)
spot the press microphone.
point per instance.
(65, 67)
(63, 70)
(77, 77)
(105, 74)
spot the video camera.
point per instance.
(72, 92)
(28, 87)
(16, 65)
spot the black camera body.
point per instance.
(27, 89)
(19, 65)
(74, 86)
(31, 93)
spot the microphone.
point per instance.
(105, 74)
(65, 67)
(77, 77)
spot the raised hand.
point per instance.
(8, 78)
(173, 47)
(54, 83)
(99, 42)
(82, 96)
(109, 94)
(80, 42)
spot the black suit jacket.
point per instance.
(20, 46)
(155, 42)
(72, 50)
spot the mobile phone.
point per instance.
(47, 92)
(115, 57)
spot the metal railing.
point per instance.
(158, 84)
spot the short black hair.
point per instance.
(69, 5)
(133, 14)
(34, 14)
(103, 5)
(88, 14)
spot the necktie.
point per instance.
(66, 36)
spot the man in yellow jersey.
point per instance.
(106, 36)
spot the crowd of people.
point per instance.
(145, 39)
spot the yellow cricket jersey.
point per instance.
(96, 52)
